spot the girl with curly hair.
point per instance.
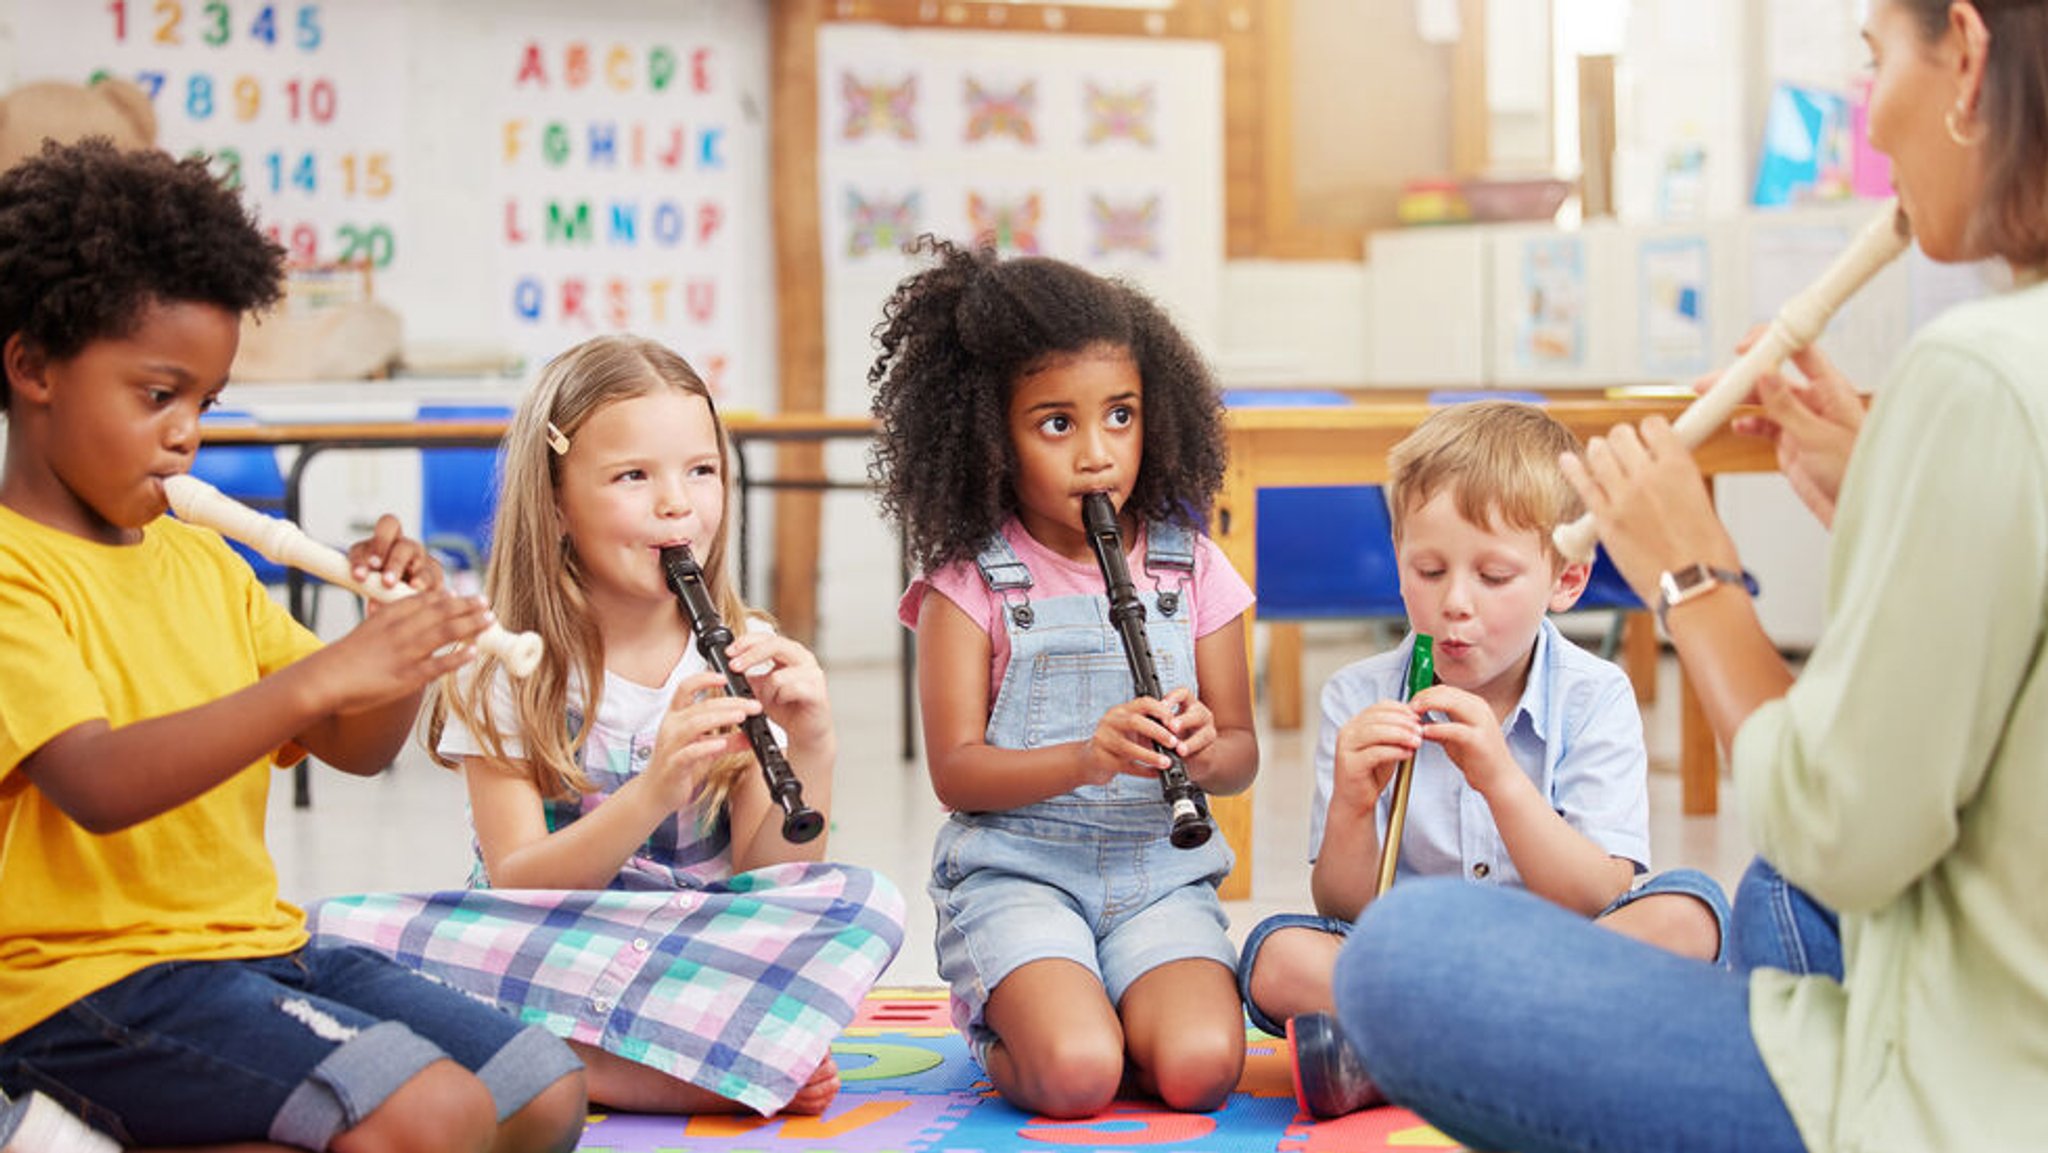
(1082, 949)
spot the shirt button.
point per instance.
(1480, 870)
(640, 943)
(601, 1004)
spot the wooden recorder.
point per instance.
(197, 502)
(1797, 324)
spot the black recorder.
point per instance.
(1191, 825)
(800, 822)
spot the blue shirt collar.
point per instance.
(1535, 702)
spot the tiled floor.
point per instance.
(405, 830)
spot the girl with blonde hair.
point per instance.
(632, 889)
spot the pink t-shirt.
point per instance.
(1216, 596)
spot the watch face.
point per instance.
(1678, 582)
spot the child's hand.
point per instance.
(1193, 726)
(1370, 747)
(396, 558)
(788, 680)
(1470, 734)
(397, 651)
(1123, 742)
(700, 728)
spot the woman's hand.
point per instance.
(1813, 426)
(1651, 504)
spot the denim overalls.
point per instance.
(1088, 876)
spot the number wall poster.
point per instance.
(295, 103)
(621, 152)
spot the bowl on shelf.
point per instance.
(1532, 198)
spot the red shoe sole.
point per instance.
(1294, 1072)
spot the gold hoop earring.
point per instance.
(1950, 121)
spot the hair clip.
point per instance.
(557, 440)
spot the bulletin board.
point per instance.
(1103, 151)
(285, 98)
(520, 174)
(619, 183)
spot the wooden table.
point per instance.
(1278, 447)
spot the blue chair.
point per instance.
(459, 492)
(1301, 576)
(248, 473)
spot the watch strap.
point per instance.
(1677, 586)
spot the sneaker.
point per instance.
(37, 1124)
(1329, 1079)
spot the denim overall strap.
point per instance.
(1005, 574)
(1067, 668)
(1169, 546)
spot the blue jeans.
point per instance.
(1690, 882)
(292, 1049)
(1777, 926)
(1510, 1023)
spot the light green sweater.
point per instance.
(1904, 779)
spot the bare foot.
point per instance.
(817, 1093)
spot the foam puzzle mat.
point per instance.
(910, 1087)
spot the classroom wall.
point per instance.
(439, 135)
(1450, 307)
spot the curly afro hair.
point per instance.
(957, 336)
(90, 236)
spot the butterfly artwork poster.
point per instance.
(1104, 151)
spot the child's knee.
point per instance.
(1293, 965)
(440, 1109)
(1076, 1075)
(550, 1123)
(1200, 1069)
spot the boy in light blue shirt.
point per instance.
(1530, 768)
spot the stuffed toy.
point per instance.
(298, 340)
(64, 112)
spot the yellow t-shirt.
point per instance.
(91, 631)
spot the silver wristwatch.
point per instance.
(1677, 586)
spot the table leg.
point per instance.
(1283, 674)
(298, 596)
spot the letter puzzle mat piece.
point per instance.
(910, 1087)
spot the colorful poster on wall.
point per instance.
(1551, 332)
(1102, 151)
(1673, 287)
(1806, 150)
(294, 103)
(621, 148)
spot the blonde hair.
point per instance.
(1497, 458)
(534, 580)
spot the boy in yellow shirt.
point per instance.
(152, 982)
